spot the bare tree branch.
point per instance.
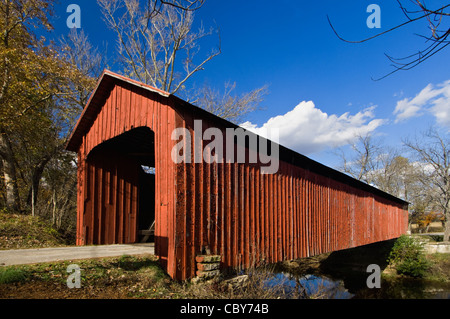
(438, 38)
(227, 104)
(157, 43)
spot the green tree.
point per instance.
(408, 257)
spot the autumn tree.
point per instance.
(86, 63)
(26, 65)
(42, 91)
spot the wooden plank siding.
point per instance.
(247, 217)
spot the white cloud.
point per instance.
(434, 100)
(306, 129)
(441, 106)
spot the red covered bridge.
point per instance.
(128, 182)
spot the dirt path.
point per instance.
(39, 255)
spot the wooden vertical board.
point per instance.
(234, 213)
(133, 121)
(182, 230)
(220, 196)
(313, 212)
(258, 215)
(120, 204)
(191, 186)
(266, 230)
(201, 200)
(308, 206)
(301, 215)
(313, 215)
(143, 109)
(117, 112)
(112, 113)
(110, 205)
(262, 213)
(125, 108)
(107, 193)
(272, 220)
(134, 208)
(228, 215)
(276, 218)
(222, 191)
(293, 216)
(241, 198)
(93, 175)
(282, 213)
(246, 214)
(285, 214)
(126, 211)
(290, 192)
(106, 123)
(101, 202)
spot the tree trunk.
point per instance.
(447, 228)
(9, 173)
(35, 180)
(54, 208)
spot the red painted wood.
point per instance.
(303, 210)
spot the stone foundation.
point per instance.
(207, 266)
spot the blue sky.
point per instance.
(321, 90)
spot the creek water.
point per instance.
(355, 287)
(343, 275)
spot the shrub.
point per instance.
(10, 275)
(408, 257)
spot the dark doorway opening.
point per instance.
(129, 157)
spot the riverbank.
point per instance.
(135, 277)
(347, 271)
(125, 277)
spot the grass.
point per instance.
(126, 277)
(439, 267)
(12, 275)
(132, 277)
(118, 277)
